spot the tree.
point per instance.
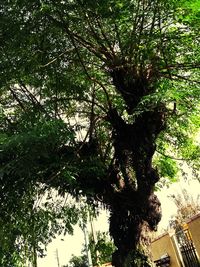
(101, 248)
(98, 99)
(187, 206)
(101, 251)
(76, 261)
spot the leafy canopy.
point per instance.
(66, 66)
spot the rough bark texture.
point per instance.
(133, 202)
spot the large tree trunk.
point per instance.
(133, 203)
(126, 225)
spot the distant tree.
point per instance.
(102, 248)
(101, 251)
(78, 261)
(187, 206)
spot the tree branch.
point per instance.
(171, 157)
(88, 45)
(179, 77)
(32, 98)
(17, 99)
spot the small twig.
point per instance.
(53, 60)
(171, 157)
(181, 77)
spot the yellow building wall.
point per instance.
(194, 227)
(164, 245)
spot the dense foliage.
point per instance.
(98, 99)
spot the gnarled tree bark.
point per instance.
(133, 203)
